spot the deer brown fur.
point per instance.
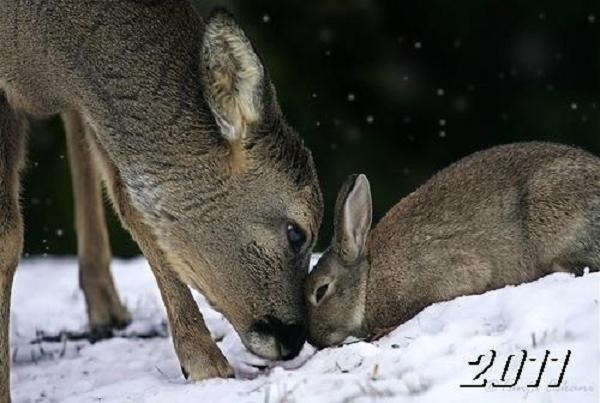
(180, 121)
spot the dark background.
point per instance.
(393, 89)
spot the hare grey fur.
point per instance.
(507, 215)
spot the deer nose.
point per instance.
(289, 337)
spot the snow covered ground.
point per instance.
(424, 360)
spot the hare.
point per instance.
(507, 215)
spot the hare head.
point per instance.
(336, 288)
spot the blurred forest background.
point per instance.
(393, 89)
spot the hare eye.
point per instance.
(321, 291)
(295, 236)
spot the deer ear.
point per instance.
(233, 76)
(353, 215)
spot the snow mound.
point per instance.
(424, 360)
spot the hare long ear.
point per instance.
(353, 215)
(234, 77)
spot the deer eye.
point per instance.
(296, 236)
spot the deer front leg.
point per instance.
(198, 354)
(104, 308)
(12, 144)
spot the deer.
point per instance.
(177, 118)
(503, 216)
